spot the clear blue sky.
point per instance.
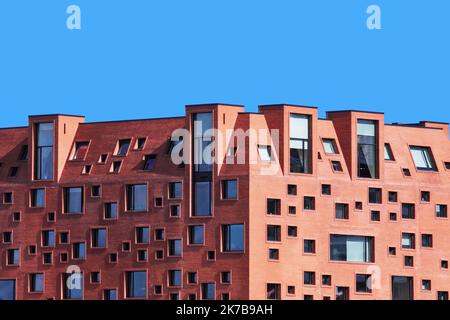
(148, 58)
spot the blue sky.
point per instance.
(149, 58)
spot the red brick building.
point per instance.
(346, 207)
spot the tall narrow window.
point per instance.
(202, 168)
(300, 144)
(37, 198)
(23, 155)
(367, 149)
(43, 166)
(388, 155)
(423, 158)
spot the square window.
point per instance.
(309, 278)
(149, 162)
(273, 233)
(16, 216)
(292, 210)
(442, 295)
(126, 246)
(292, 231)
(326, 189)
(159, 254)
(226, 296)
(174, 278)
(175, 248)
(441, 210)
(408, 211)
(336, 165)
(274, 254)
(96, 191)
(95, 277)
(175, 190)
(48, 238)
(375, 195)
(142, 255)
(426, 285)
(192, 277)
(291, 290)
(142, 235)
(326, 280)
(427, 240)
(392, 251)
(73, 200)
(309, 246)
(292, 189)
(47, 257)
(211, 255)
(425, 196)
(274, 207)
(393, 196)
(196, 235)
(364, 283)
(358, 205)
(393, 216)
(329, 146)
(409, 261)
(375, 215)
(229, 189)
(309, 203)
(37, 198)
(157, 289)
(273, 291)
(447, 165)
(341, 211)
(99, 238)
(406, 172)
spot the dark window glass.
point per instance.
(192, 277)
(408, 211)
(23, 155)
(292, 210)
(363, 283)
(441, 210)
(175, 190)
(174, 278)
(375, 215)
(442, 295)
(409, 261)
(393, 196)
(72, 286)
(402, 288)
(123, 147)
(159, 234)
(392, 251)
(142, 235)
(375, 195)
(406, 172)
(73, 200)
(309, 203)
(342, 293)
(292, 189)
(341, 210)
(233, 237)
(326, 189)
(175, 248)
(408, 240)
(203, 201)
(208, 291)
(367, 149)
(426, 285)
(111, 210)
(137, 197)
(64, 237)
(274, 206)
(136, 284)
(140, 143)
(79, 250)
(225, 277)
(110, 294)
(336, 166)
(81, 149)
(229, 189)
(425, 196)
(309, 246)
(7, 237)
(273, 232)
(48, 238)
(196, 234)
(13, 172)
(175, 210)
(326, 280)
(393, 216)
(292, 231)
(202, 141)
(273, 291)
(427, 240)
(7, 197)
(38, 198)
(43, 167)
(36, 282)
(309, 277)
(149, 162)
(274, 254)
(300, 143)
(95, 277)
(99, 238)
(351, 248)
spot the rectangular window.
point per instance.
(110, 294)
(64, 237)
(73, 200)
(149, 162)
(402, 288)
(80, 151)
(393, 216)
(174, 248)
(111, 210)
(336, 165)
(225, 277)
(375, 195)
(136, 284)
(329, 146)
(142, 235)
(7, 237)
(273, 232)
(273, 291)
(79, 250)
(175, 190)
(12, 257)
(341, 211)
(326, 189)
(408, 211)
(37, 282)
(203, 123)
(99, 238)
(43, 166)
(192, 277)
(309, 246)
(427, 240)
(174, 278)
(208, 291)
(425, 196)
(388, 155)
(96, 191)
(233, 237)
(229, 189)
(273, 207)
(309, 203)
(203, 198)
(441, 210)
(48, 238)
(122, 147)
(441, 295)
(196, 234)
(408, 240)
(367, 149)
(392, 196)
(73, 291)
(423, 158)
(364, 283)
(140, 143)
(351, 248)
(342, 293)
(142, 255)
(309, 278)
(136, 197)
(23, 155)
(7, 197)
(300, 143)
(37, 198)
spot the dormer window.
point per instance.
(423, 158)
(367, 149)
(388, 155)
(123, 146)
(149, 162)
(329, 145)
(43, 166)
(23, 155)
(300, 143)
(140, 143)
(80, 151)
